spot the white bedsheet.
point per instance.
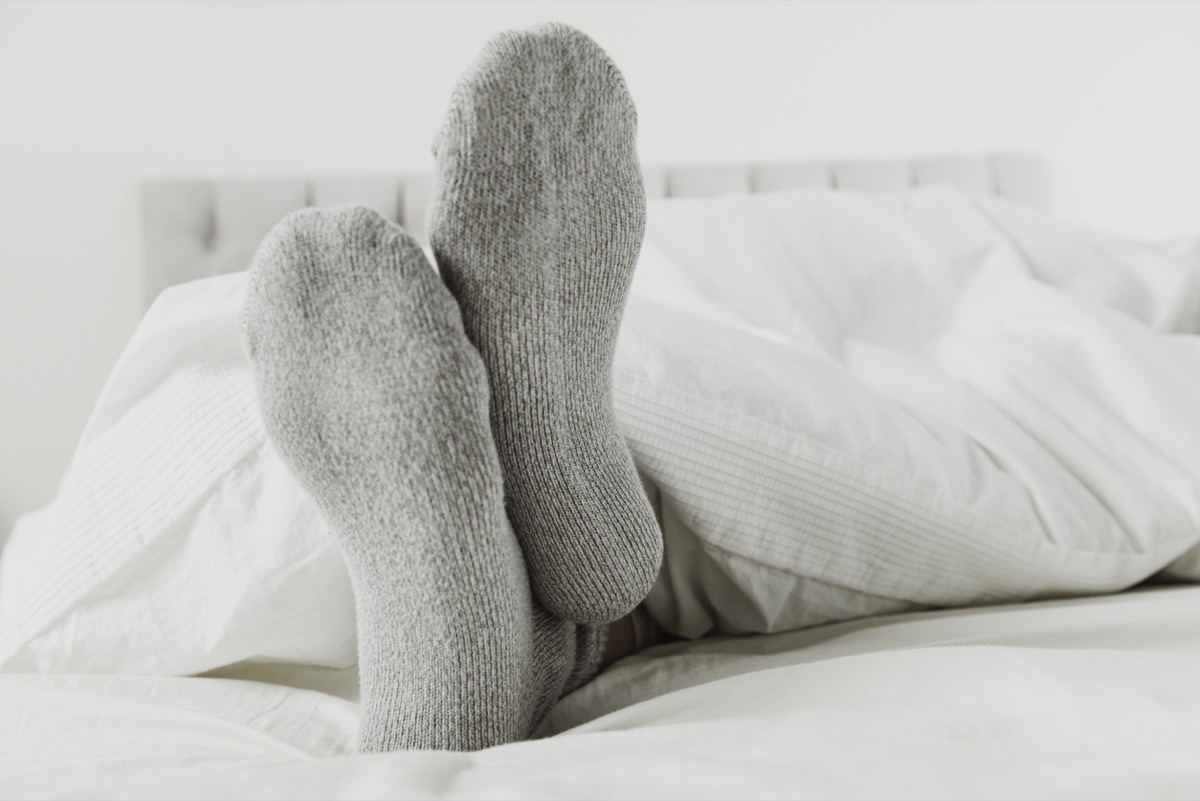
(1095, 698)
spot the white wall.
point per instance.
(97, 96)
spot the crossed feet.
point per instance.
(458, 433)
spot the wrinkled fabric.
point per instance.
(851, 404)
(1092, 698)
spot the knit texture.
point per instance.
(536, 219)
(373, 395)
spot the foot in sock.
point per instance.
(536, 221)
(373, 395)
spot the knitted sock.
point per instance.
(374, 396)
(536, 221)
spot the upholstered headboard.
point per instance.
(198, 228)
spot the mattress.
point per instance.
(1081, 698)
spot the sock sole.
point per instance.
(536, 221)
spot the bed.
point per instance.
(184, 629)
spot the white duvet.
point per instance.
(855, 404)
(842, 405)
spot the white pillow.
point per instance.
(178, 541)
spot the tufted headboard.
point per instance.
(198, 228)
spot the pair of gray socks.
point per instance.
(458, 433)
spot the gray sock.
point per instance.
(536, 221)
(373, 395)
